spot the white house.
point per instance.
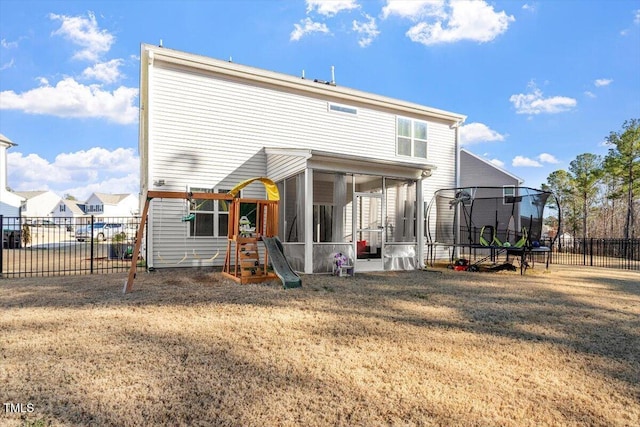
(111, 205)
(38, 203)
(353, 168)
(66, 211)
(9, 202)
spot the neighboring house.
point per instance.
(353, 168)
(503, 212)
(476, 171)
(9, 202)
(111, 205)
(38, 203)
(68, 211)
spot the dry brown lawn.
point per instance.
(416, 348)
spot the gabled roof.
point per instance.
(111, 199)
(504, 171)
(74, 206)
(30, 194)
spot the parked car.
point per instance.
(101, 231)
(44, 223)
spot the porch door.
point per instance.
(369, 232)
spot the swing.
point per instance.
(160, 230)
(192, 218)
(185, 219)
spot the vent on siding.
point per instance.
(342, 109)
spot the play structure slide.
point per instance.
(280, 264)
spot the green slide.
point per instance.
(280, 264)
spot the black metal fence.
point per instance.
(96, 245)
(611, 253)
(66, 246)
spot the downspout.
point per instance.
(146, 170)
(456, 127)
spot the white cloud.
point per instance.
(548, 158)
(521, 161)
(602, 82)
(367, 30)
(473, 133)
(72, 99)
(497, 162)
(636, 16)
(414, 9)
(84, 32)
(307, 26)
(80, 173)
(589, 94)
(535, 103)
(106, 72)
(7, 65)
(468, 20)
(529, 7)
(8, 45)
(330, 7)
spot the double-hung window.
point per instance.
(211, 216)
(508, 194)
(411, 138)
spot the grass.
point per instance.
(415, 348)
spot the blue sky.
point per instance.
(540, 81)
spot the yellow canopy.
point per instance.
(269, 186)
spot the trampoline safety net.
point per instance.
(473, 215)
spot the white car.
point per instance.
(101, 231)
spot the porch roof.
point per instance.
(338, 162)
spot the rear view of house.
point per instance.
(353, 168)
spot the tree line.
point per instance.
(599, 196)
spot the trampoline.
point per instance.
(487, 226)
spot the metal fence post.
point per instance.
(591, 252)
(91, 250)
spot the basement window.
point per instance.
(342, 109)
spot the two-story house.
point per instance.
(38, 203)
(353, 168)
(111, 205)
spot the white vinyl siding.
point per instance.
(281, 166)
(205, 128)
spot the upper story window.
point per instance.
(508, 194)
(411, 138)
(63, 208)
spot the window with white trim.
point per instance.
(508, 194)
(411, 137)
(211, 216)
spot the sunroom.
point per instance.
(362, 208)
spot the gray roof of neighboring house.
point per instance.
(111, 199)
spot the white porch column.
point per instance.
(308, 221)
(420, 221)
